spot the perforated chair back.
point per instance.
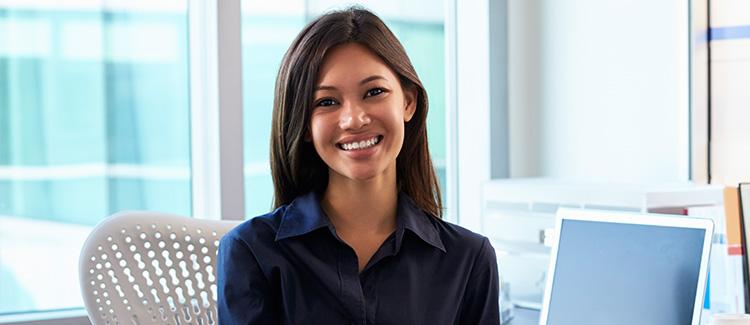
(151, 268)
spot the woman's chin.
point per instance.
(362, 176)
(359, 175)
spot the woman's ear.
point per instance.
(410, 102)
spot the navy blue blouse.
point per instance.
(290, 267)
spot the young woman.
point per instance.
(356, 237)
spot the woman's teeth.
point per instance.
(361, 144)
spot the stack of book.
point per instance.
(728, 284)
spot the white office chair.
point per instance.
(141, 268)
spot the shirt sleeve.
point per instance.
(244, 294)
(481, 301)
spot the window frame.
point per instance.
(480, 88)
(217, 182)
(56, 317)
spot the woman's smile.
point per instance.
(360, 149)
(353, 144)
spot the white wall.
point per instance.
(730, 77)
(599, 89)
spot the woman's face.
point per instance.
(359, 111)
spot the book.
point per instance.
(735, 250)
(744, 212)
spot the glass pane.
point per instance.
(268, 28)
(94, 119)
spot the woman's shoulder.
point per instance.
(260, 228)
(460, 239)
(465, 247)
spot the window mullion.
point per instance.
(216, 109)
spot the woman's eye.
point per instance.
(326, 102)
(375, 92)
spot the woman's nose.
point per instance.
(353, 117)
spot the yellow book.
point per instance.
(732, 213)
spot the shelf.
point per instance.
(509, 247)
(546, 194)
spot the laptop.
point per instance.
(626, 268)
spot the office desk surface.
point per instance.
(523, 316)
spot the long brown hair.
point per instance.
(295, 165)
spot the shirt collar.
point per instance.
(304, 215)
(418, 222)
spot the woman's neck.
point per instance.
(362, 207)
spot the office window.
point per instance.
(94, 119)
(268, 28)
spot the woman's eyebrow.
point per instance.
(361, 82)
(371, 78)
(322, 87)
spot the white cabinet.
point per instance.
(518, 215)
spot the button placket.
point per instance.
(369, 283)
(352, 294)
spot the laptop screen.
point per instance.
(613, 273)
